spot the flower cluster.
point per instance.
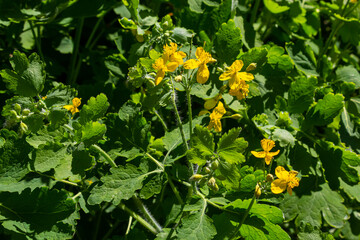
(76, 102)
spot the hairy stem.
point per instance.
(138, 218)
(76, 51)
(161, 120)
(104, 154)
(37, 39)
(176, 192)
(147, 213)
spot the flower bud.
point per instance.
(211, 182)
(257, 191)
(17, 107)
(269, 178)
(203, 112)
(251, 67)
(196, 177)
(13, 113)
(215, 165)
(26, 112)
(23, 127)
(207, 170)
(210, 103)
(178, 78)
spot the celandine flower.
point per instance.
(171, 54)
(235, 77)
(241, 92)
(76, 102)
(161, 66)
(215, 117)
(267, 145)
(202, 59)
(286, 181)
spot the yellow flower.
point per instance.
(161, 68)
(286, 180)
(235, 77)
(267, 145)
(171, 54)
(202, 59)
(76, 102)
(215, 117)
(241, 91)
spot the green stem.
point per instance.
(177, 115)
(37, 39)
(176, 192)
(77, 195)
(161, 120)
(104, 154)
(63, 181)
(98, 224)
(147, 213)
(138, 218)
(129, 226)
(106, 236)
(254, 11)
(87, 44)
(155, 161)
(76, 50)
(188, 89)
(244, 217)
(337, 26)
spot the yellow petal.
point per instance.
(225, 76)
(281, 173)
(68, 107)
(258, 154)
(267, 144)
(272, 154)
(211, 124)
(181, 54)
(199, 52)
(220, 109)
(235, 81)
(191, 64)
(159, 77)
(278, 186)
(217, 125)
(171, 66)
(203, 74)
(268, 159)
(237, 65)
(158, 64)
(245, 76)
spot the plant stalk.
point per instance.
(147, 213)
(76, 51)
(104, 154)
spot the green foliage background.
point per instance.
(120, 168)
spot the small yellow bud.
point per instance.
(178, 78)
(211, 182)
(26, 112)
(196, 177)
(269, 178)
(23, 127)
(257, 191)
(236, 116)
(215, 165)
(251, 67)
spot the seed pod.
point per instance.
(23, 127)
(196, 177)
(257, 191)
(236, 116)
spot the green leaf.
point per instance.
(94, 109)
(195, 6)
(38, 221)
(284, 137)
(349, 123)
(60, 95)
(352, 191)
(301, 94)
(324, 111)
(231, 174)
(152, 186)
(256, 55)
(277, 59)
(303, 58)
(66, 45)
(127, 23)
(230, 148)
(58, 117)
(228, 42)
(196, 226)
(182, 34)
(324, 203)
(203, 140)
(121, 184)
(274, 7)
(49, 156)
(348, 74)
(92, 132)
(28, 77)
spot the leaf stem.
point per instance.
(188, 96)
(79, 28)
(36, 38)
(177, 115)
(147, 213)
(138, 218)
(161, 120)
(106, 236)
(155, 161)
(104, 154)
(244, 217)
(176, 192)
(254, 11)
